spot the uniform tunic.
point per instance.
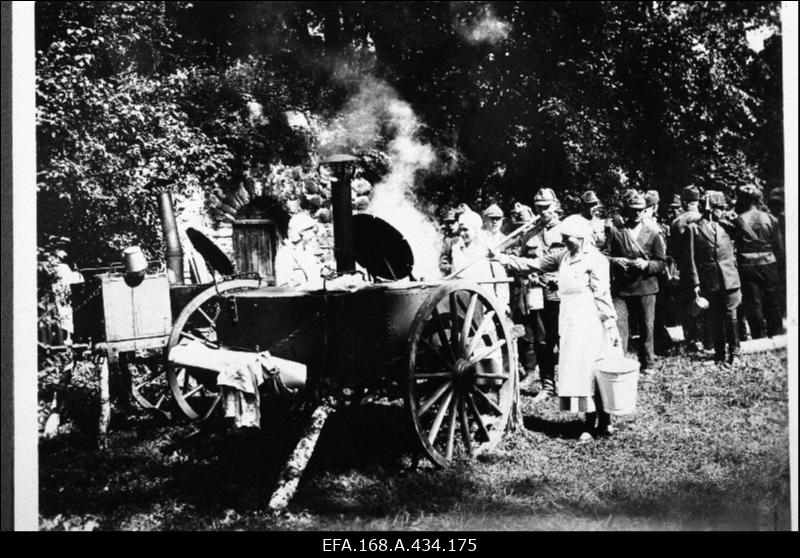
(712, 267)
(759, 250)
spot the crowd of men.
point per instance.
(712, 267)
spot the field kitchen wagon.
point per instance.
(443, 349)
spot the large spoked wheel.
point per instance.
(195, 390)
(148, 385)
(460, 373)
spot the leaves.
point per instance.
(139, 96)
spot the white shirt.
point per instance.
(297, 267)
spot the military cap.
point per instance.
(676, 201)
(652, 198)
(493, 212)
(545, 196)
(590, 198)
(521, 213)
(715, 199)
(633, 200)
(690, 194)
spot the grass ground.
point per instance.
(707, 449)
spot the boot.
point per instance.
(548, 390)
(733, 355)
(732, 335)
(604, 427)
(588, 427)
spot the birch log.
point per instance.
(105, 403)
(293, 470)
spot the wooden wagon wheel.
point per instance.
(195, 390)
(460, 372)
(149, 387)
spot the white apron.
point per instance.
(583, 338)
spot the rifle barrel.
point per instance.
(510, 236)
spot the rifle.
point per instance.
(534, 224)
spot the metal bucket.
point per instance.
(618, 380)
(699, 306)
(535, 298)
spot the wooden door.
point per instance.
(254, 245)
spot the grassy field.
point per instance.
(707, 449)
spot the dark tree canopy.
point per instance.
(513, 96)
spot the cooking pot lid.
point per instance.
(214, 257)
(380, 248)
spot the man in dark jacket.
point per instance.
(713, 274)
(520, 309)
(663, 342)
(591, 209)
(544, 307)
(759, 247)
(693, 330)
(636, 251)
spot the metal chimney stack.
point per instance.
(343, 167)
(174, 253)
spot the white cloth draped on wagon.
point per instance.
(240, 375)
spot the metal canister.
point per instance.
(535, 298)
(135, 262)
(699, 306)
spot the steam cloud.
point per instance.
(377, 108)
(486, 28)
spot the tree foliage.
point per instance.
(137, 96)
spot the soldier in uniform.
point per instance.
(651, 201)
(777, 209)
(693, 328)
(662, 339)
(520, 215)
(713, 275)
(590, 210)
(671, 279)
(675, 209)
(493, 224)
(543, 299)
(759, 247)
(450, 235)
(637, 254)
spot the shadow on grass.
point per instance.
(554, 429)
(213, 468)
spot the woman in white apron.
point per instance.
(587, 320)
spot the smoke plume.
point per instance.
(376, 111)
(484, 28)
